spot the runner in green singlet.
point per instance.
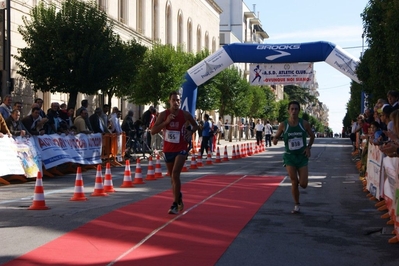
(297, 152)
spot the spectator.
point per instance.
(104, 115)
(114, 121)
(54, 119)
(6, 106)
(393, 97)
(32, 122)
(3, 128)
(15, 125)
(268, 134)
(39, 101)
(17, 106)
(221, 129)
(97, 122)
(226, 130)
(80, 123)
(146, 118)
(205, 128)
(259, 129)
(85, 104)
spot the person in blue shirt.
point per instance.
(206, 128)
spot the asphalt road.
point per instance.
(338, 224)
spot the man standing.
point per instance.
(147, 118)
(15, 125)
(259, 127)
(80, 123)
(176, 142)
(6, 106)
(226, 130)
(97, 123)
(297, 153)
(268, 133)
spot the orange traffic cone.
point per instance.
(218, 160)
(150, 170)
(138, 178)
(38, 198)
(79, 194)
(209, 159)
(193, 164)
(225, 155)
(158, 169)
(108, 185)
(185, 168)
(98, 185)
(199, 160)
(249, 148)
(238, 155)
(127, 176)
(234, 155)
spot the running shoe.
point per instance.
(296, 209)
(180, 204)
(173, 209)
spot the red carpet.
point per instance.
(217, 207)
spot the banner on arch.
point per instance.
(285, 74)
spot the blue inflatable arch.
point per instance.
(264, 53)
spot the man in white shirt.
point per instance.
(259, 127)
(268, 133)
(114, 121)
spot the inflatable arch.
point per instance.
(264, 53)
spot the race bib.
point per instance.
(295, 144)
(172, 136)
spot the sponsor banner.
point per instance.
(9, 161)
(375, 175)
(285, 74)
(28, 157)
(343, 62)
(58, 149)
(210, 66)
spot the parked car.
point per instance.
(275, 127)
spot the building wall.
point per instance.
(145, 20)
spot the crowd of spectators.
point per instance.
(59, 119)
(377, 126)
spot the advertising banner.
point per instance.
(58, 149)
(375, 178)
(285, 74)
(9, 161)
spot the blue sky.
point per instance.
(338, 21)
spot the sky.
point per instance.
(338, 22)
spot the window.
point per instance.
(123, 11)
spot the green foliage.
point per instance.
(299, 94)
(378, 69)
(282, 107)
(161, 72)
(68, 50)
(258, 103)
(129, 57)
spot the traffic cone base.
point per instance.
(79, 194)
(39, 202)
(127, 176)
(150, 171)
(138, 178)
(108, 185)
(98, 185)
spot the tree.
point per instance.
(68, 50)
(162, 72)
(128, 58)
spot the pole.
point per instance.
(8, 47)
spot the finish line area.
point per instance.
(217, 208)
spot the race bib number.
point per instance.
(172, 136)
(295, 144)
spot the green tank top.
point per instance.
(294, 137)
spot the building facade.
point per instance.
(192, 24)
